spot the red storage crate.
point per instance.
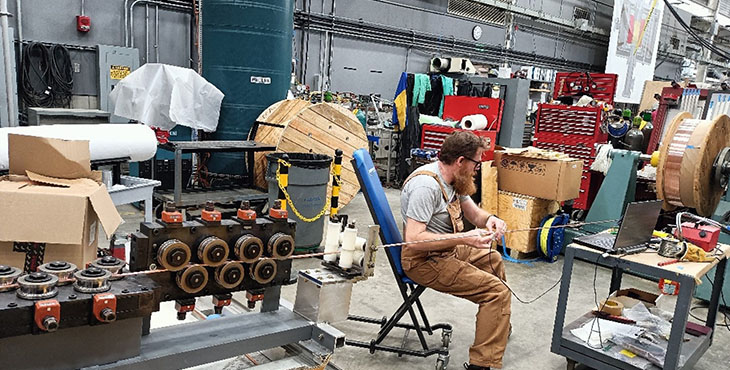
(433, 136)
(458, 107)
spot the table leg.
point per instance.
(679, 324)
(116, 174)
(716, 291)
(148, 209)
(250, 156)
(271, 299)
(177, 195)
(571, 365)
(563, 299)
(616, 276)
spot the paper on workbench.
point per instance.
(600, 338)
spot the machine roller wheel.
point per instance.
(281, 246)
(192, 279)
(264, 271)
(248, 248)
(229, 275)
(213, 251)
(173, 255)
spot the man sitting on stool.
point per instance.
(434, 199)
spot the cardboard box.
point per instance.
(490, 193)
(630, 297)
(58, 217)
(541, 176)
(521, 212)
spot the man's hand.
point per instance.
(478, 238)
(496, 226)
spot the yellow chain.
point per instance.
(289, 201)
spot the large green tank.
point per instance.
(246, 53)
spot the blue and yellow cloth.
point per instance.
(400, 102)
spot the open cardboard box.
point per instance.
(528, 172)
(52, 203)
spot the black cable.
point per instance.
(722, 296)
(726, 324)
(46, 75)
(595, 299)
(35, 84)
(494, 272)
(689, 30)
(61, 75)
(596, 320)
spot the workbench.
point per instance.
(135, 189)
(232, 146)
(643, 265)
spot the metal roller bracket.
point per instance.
(371, 248)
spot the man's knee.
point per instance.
(499, 294)
(497, 265)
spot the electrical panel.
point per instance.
(115, 63)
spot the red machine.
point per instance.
(670, 99)
(703, 236)
(576, 130)
(458, 107)
(432, 137)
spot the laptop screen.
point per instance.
(638, 223)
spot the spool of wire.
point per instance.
(687, 168)
(550, 238)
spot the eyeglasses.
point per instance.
(477, 164)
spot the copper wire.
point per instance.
(320, 254)
(673, 164)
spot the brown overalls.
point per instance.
(468, 273)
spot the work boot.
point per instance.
(467, 366)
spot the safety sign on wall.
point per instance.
(119, 72)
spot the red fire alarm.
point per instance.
(83, 23)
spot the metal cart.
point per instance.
(644, 265)
(188, 198)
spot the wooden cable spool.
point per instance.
(685, 175)
(312, 128)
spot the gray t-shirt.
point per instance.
(422, 200)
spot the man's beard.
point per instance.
(464, 183)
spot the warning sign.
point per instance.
(119, 72)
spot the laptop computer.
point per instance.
(634, 233)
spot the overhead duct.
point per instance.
(452, 65)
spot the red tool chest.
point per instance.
(601, 86)
(574, 131)
(432, 137)
(458, 107)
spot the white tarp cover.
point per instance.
(163, 96)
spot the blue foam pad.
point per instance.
(379, 207)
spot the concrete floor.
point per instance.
(529, 346)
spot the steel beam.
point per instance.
(193, 344)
